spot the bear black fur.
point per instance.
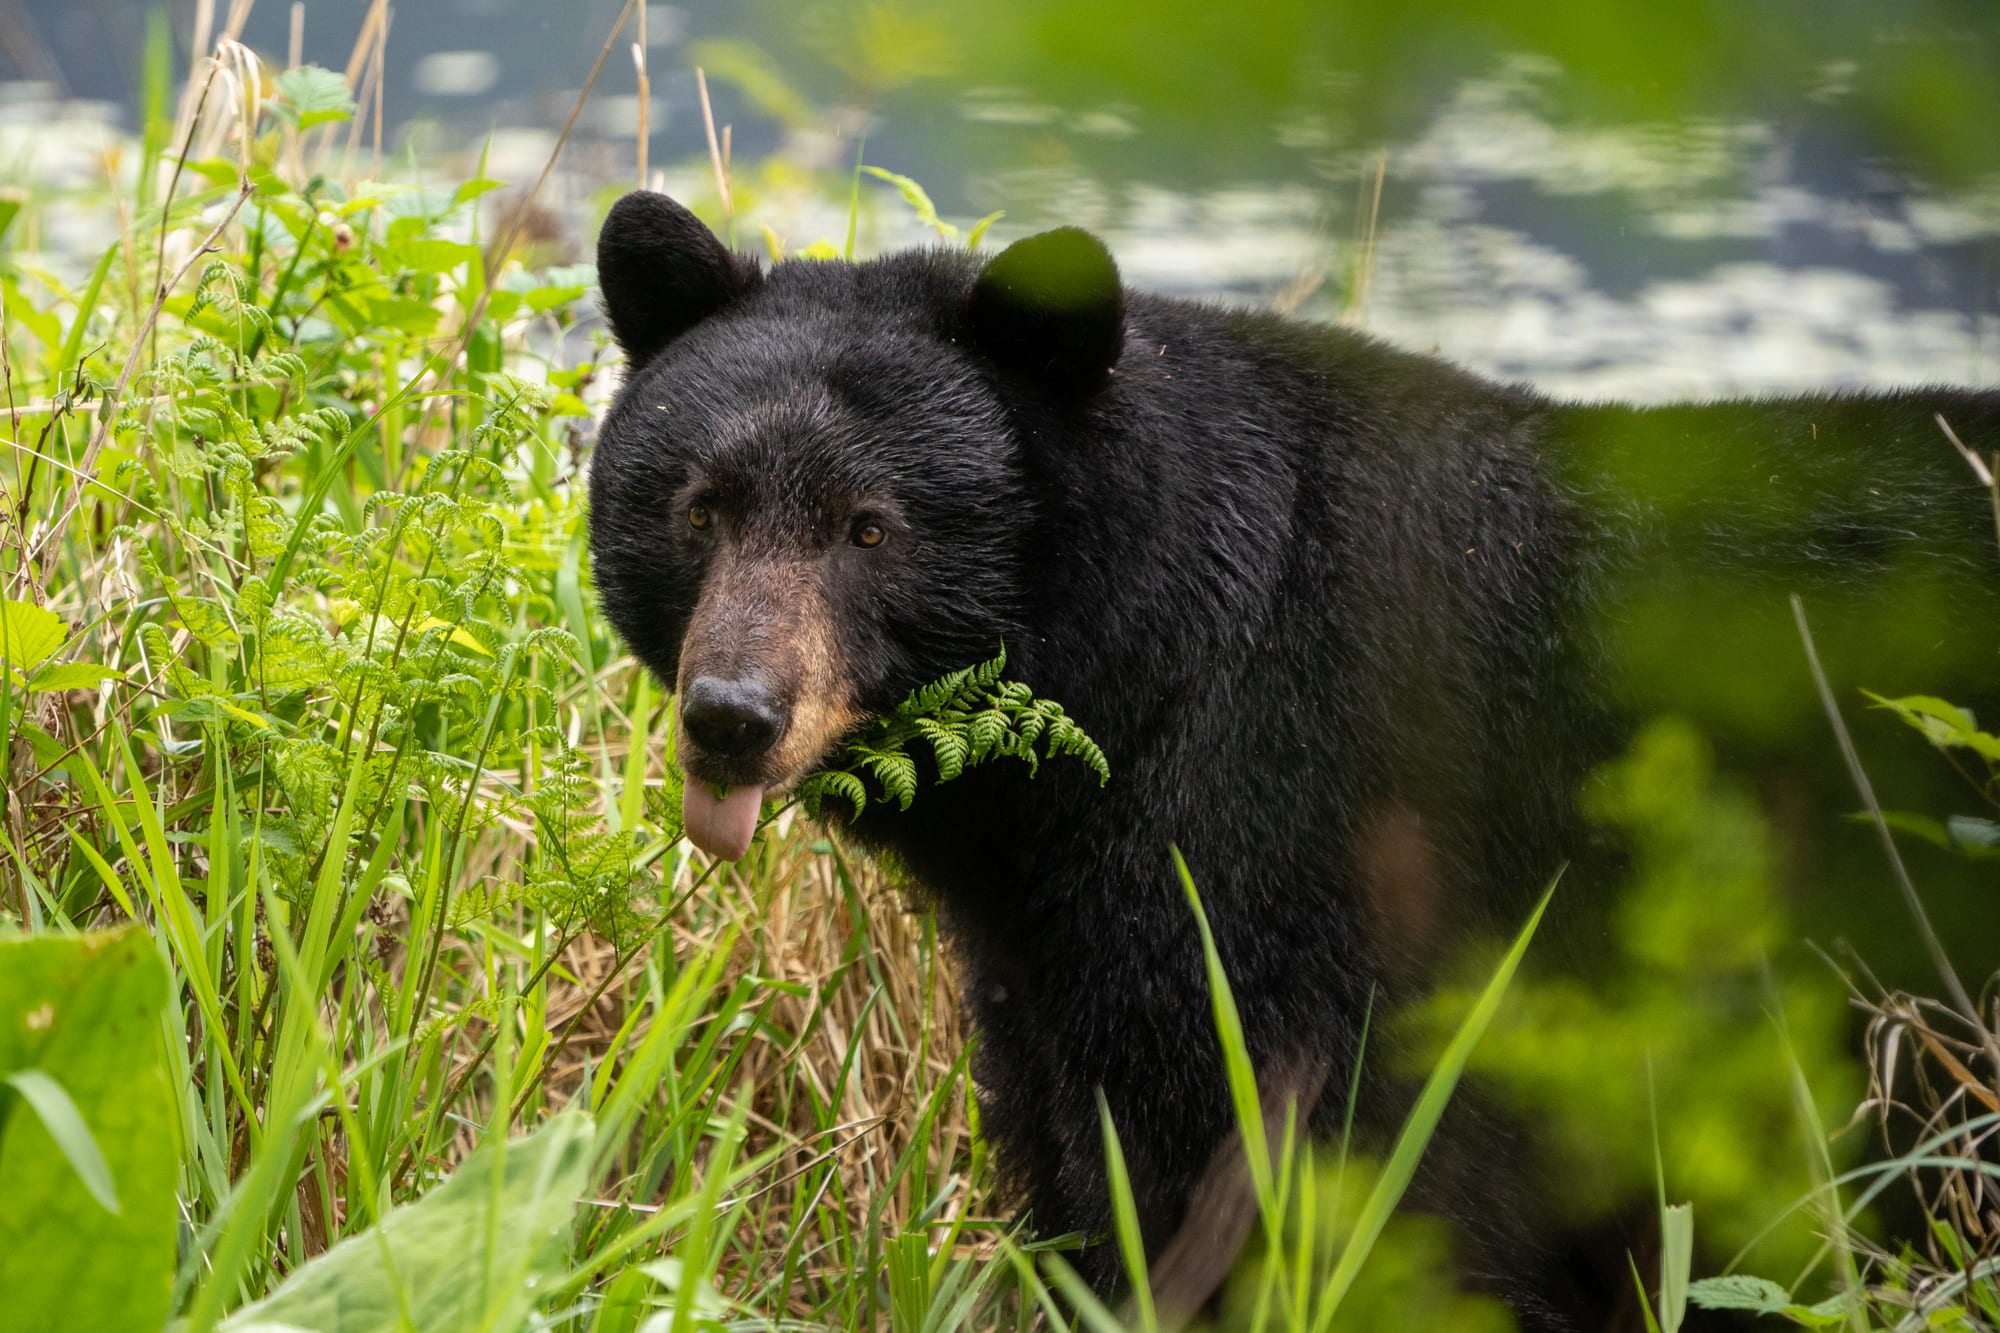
(1341, 617)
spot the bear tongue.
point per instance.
(721, 826)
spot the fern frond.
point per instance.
(966, 717)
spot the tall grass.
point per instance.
(304, 683)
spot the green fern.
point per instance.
(966, 718)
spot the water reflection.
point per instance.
(1648, 260)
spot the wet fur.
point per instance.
(1339, 616)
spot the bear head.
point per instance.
(813, 492)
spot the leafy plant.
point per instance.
(967, 718)
(1974, 752)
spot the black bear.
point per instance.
(1344, 620)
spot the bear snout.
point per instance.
(732, 719)
(766, 690)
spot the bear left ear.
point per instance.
(662, 272)
(1051, 306)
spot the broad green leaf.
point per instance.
(1739, 1291)
(404, 314)
(467, 1256)
(310, 95)
(73, 676)
(1943, 723)
(548, 298)
(472, 189)
(503, 305)
(65, 1125)
(215, 170)
(431, 254)
(90, 1118)
(28, 634)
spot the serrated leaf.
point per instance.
(310, 95)
(404, 315)
(1825, 1314)
(988, 731)
(1030, 725)
(950, 747)
(431, 254)
(816, 790)
(1739, 1291)
(205, 620)
(989, 671)
(968, 717)
(548, 298)
(28, 634)
(72, 676)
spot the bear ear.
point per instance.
(662, 272)
(1051, 307)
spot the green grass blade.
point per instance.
(64, 1123)
(1092, 1312)
(1423, 1119)
(1235, 1049)
(1125, 1220)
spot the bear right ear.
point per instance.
(662, 272)
(1051, 306)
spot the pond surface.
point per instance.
(1641, 258)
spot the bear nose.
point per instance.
(731, 719)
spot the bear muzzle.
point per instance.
(765, 697)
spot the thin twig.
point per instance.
(1367, 224)
(173, 184)
(715, 155)
(645, 94)
(1979, 467)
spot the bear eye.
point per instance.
(699, 518)
(868, 535)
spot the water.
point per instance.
(1644, 260)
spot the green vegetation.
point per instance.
(353, 975)
(967, 718)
